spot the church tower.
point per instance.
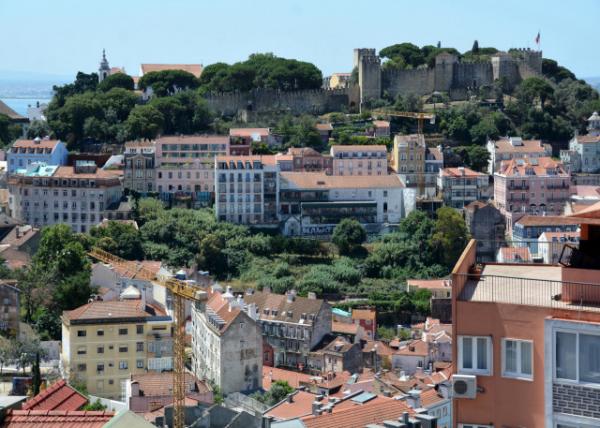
(594, 124)
(104, 69)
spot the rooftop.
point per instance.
(38, 143)
(279, 307)
(517, 145)
(249, 132)
(264, 159)
(320, 180)
(324, 126)
(381, 123)
(192, 139)
(160, 384)
(59, 396)
(113, 311)
(416, 348)
(460, 172)
(534, 220)
(430, 284)
(337, 148)
(55, 419)
(364, 314)
(523, 167)
(195, 69)
(7, 111)
(344, 327)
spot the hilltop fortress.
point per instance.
(449, 75)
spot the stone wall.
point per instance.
(418, 81)
(474, 74)
(314, 101)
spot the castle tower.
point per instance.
(369, 74)
(104, 69)
(444, 71)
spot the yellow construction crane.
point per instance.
(181, 290)
(420, 116)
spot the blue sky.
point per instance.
(64, 36)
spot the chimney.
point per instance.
(316, 407)
(290, 398)
(291, 296)
(414, 398)
(266, 422)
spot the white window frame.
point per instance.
(490, 348)
(576, 381)
(518, 374)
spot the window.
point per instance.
(139, 346)
(81, 350)
(139, 364)
(577, 357)
(100, 333)
(122, 331)
(139, 329)
(81, 333)
(475, 354)
(81, 367)
(122, 348)
(122, 365)
(517, 358)
(100, 349)
(100, 367)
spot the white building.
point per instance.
(80, 196)
(227, 342)
(461, 186)
(359, 160)
(314, 202)
(247, 189)
(584, 150)
(551, 244)
(508, 148)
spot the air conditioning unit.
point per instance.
(464, 386)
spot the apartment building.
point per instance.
(25, 152)
(104, 342)
(461, 186)
(185, 167)
(306, 159)
(247, 189)
(535, 186)
(9, 308)
(527, 338)
(509, 148)
(552, 244)
(80, 196)
(583, 155)
(241, 139)
(359, 160)
(139, 158)
(226, 342)
(312, 203)
(291, 326)
(416, 164)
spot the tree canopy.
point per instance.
(117, 80)
(168, 82)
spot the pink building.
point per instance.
(359, 160)
(185, 165)
(539, 186)
(508, 148)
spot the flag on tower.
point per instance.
(537, 38)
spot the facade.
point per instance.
(226, 343)
(325, 130)
(23, 153)
(367, 319)
(139, 160)
(306, 159)
(241, 139)
(9, 309)
(509, 148)
(528, 331)
(381, 129)
(185, 166)
(487, 225)
(338, 356)
(552, 244)
(535, 186)
(80, 196)
(434, 162)
(339, 80)
(461, 186)
(103, 343)
(583, 155)
(291, 326)
(359, 160)
(247, 189)
(411, 357)
(439, 288)
(417, 165)
(313, 203)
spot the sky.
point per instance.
(61, 37)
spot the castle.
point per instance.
(449, 74)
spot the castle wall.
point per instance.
(314, 101)
(417, 82)
(472, 74)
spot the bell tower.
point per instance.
(104, 69)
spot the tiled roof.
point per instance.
(364, 314)
(429, 284)
(69, 172)
(534, 220)
(195, 69)
(140, 143)
(359, 416)
(324, 126)
(58, 396)
(436, 153)
(55, 419)
(378, 346)
(588, 139)
(285, 310)
(101, 310)
(220, 306)
(192, 139)
(592, 212)
(344, 327)
(528, 167)
(503, 145)
(160, 384)
(476, 204)
(430, 397)
(264, 159)
(271, 374)
(460, 172)
(131, 269)
(381, 123)
(303, 151)
(358, 148)
(320, 180)
(416, 348)
(339, 345)
(39, 144)
(515, 253)
(249, 132)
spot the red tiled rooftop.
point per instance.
(364, 314)
(55, 419)
(503, 145)
(534, 220)
(41, 144)
(429, 284)
(58, 396)
(101, 310)
(461, 172)
(416, 348)
(430, 397)
(344, 327)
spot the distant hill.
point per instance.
(593, 81)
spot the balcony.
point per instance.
(518, 186)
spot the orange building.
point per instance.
(527, 338)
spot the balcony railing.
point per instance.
(529, 251)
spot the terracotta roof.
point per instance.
(271, 374)
(364, 314)
(193, 139)
(69, 172)
(380, 347)
(132, 269)
(124, 309)
(416, 348)
(581, 191)
(358, 148)
(592, 212)
(401, 383)
(429, 284)
(503, 145)
(55, 419)
(324, 126)
(220, 307)
(476, 204)
(528, 167)
(161, 384)
(249, 132)
(515, 253)
(344, 327)
(534, 220)
(320, 180)
(436, 153)
(587, 139)
(340, 345)
(430, 397)
(58, 396)
(40, 144)
(435, 378)
(195, 69)
(7, 111)
(140, 143)
(460, 172)
(285, 310)
(551, 235)
(359, 416)
(381, 123)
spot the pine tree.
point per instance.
(475, 48)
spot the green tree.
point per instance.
(475, 48)
(95, 406)
(450, 235)
(8, 131)
(117, 80)
(386, 333)
(347, 235)
(121, 239)
(38, 128)
(168, 82)
(7, 352)
(144, 122)
(552, 70)
(533, 88)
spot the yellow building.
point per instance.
(104, 342)
(408, 155)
